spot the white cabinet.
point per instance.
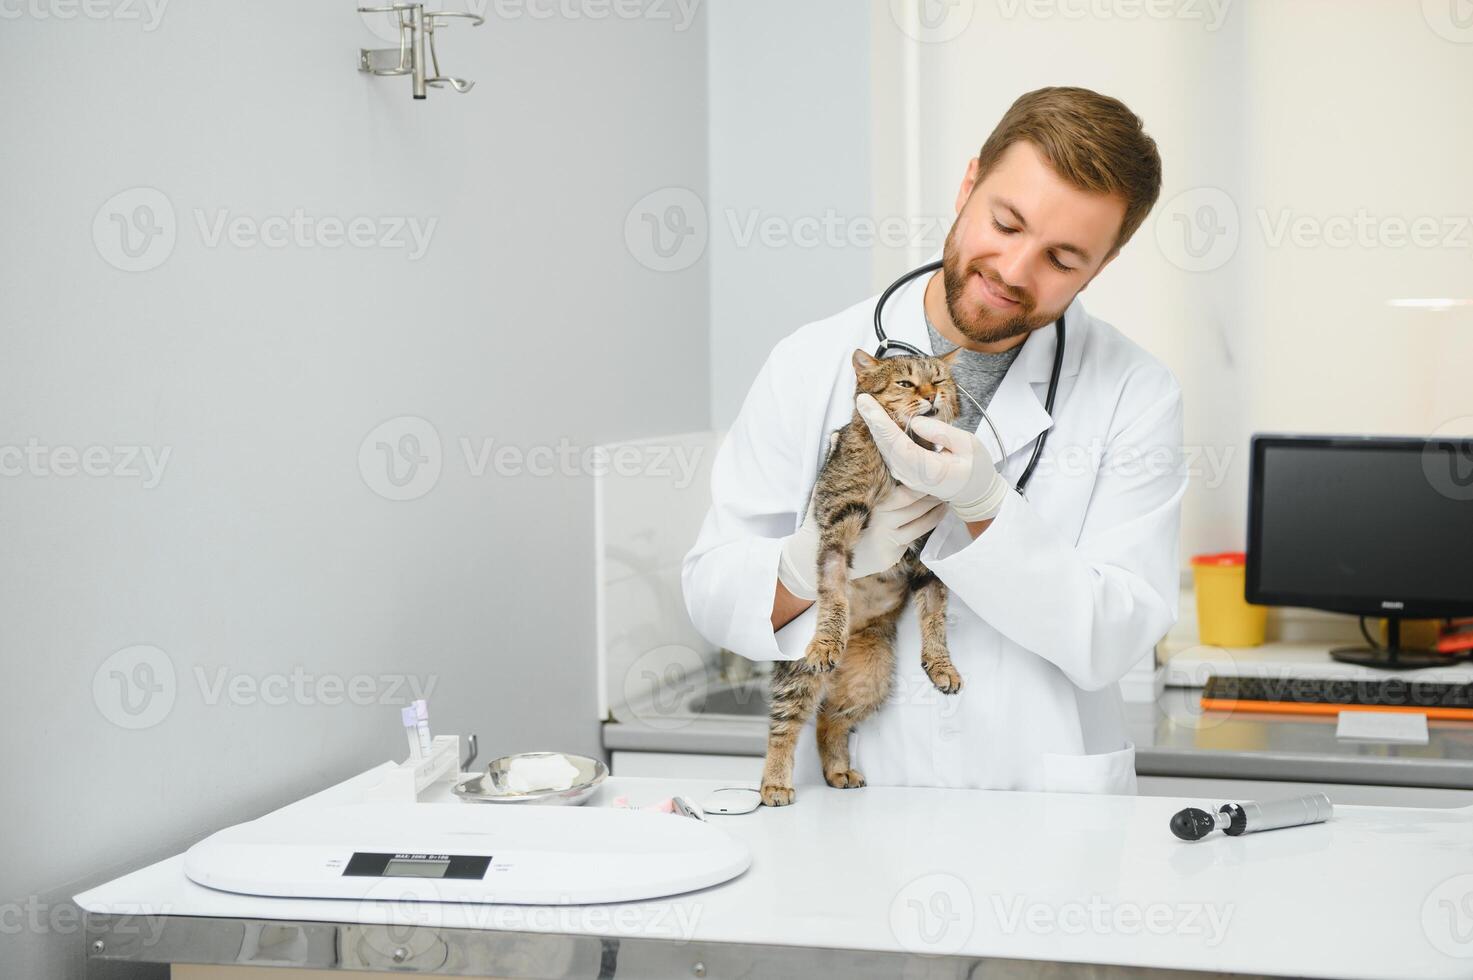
(742, 770)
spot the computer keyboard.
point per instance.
(1324, 696)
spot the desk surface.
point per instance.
(1377, 892)
(1173, 735)
(1189, 665)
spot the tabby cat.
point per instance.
(846, 670)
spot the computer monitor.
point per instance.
(1363, 525)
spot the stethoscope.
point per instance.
(887, 345)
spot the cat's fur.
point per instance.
(846, 670)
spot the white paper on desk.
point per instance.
(1407, 727)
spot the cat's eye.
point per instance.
(905, 384)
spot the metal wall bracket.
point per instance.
(416, 34)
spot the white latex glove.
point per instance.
(897, 520)
(962, 473)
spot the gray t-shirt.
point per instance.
(975, 371)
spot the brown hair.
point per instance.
(1091, 140)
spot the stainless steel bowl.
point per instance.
(491, 786)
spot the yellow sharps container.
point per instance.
(1224, 617)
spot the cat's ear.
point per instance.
(949, 358)
(864, 363)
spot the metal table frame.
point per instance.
(117, 943)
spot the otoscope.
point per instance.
(1236, 819)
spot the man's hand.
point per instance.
(897, 520)
(962, 473)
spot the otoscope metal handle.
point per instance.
(1251, 817)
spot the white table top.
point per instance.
(1377, 892)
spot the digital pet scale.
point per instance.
(512, 855)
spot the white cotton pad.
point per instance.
(534, 775)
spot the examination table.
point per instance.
(880, 882)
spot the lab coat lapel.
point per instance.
(1017, 407)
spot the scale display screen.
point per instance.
(409, 864)
(417, 867)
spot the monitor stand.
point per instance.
(1393, 656)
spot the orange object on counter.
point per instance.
(1307, 708)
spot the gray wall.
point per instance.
(267, 550)
(790, 196)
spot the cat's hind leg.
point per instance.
(855, 690)
(930, 596)
(835, 551)
(795, 691)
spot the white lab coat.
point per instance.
(1049, 607)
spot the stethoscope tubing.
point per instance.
(886, 345)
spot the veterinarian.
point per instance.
(1055, 594)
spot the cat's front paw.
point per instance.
(844, 779)
(777, 795)
(822, 654)
(948, 679)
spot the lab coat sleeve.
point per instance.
(729, 578)
(1093, 608)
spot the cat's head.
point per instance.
(909, 386)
